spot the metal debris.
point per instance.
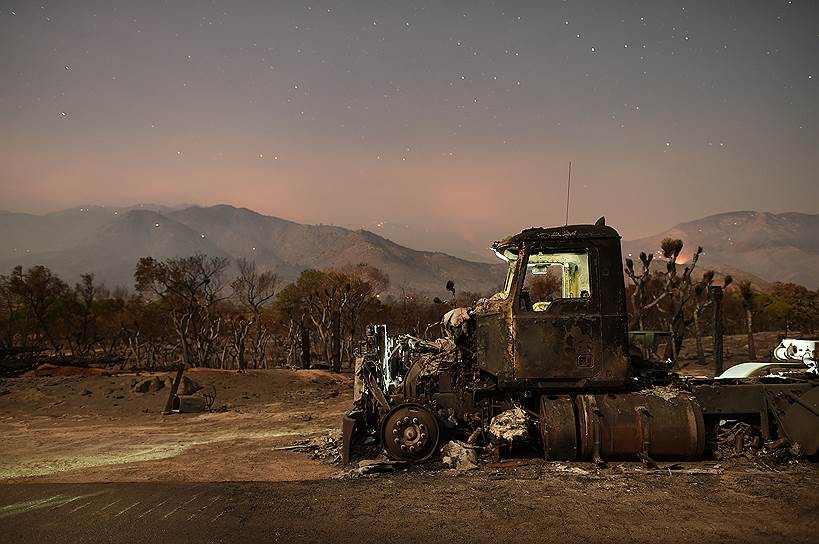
(739, 440)
(378, 465)
(326, 448)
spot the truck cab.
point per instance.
(560, 320)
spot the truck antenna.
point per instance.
(568, 192)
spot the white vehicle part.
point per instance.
(750, 370)
(793, 349)
(796, 349)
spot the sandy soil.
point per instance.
(66, 425)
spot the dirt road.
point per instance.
(505, 506)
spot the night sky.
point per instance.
(457, 118)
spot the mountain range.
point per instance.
(108, 241)
(760, 246)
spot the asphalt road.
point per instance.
(511, 507)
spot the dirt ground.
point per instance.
(65, 424)
(70, 425)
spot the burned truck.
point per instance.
(560, 359)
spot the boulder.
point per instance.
(186, 387)
(150, 384)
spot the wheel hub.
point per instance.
(409, 432)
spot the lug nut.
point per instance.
(403, 447)
(397, 440)
(395, 432)
(406, 419)
(423, 435)
(422, 427)
(415, 420)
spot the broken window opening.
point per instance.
(552, 276)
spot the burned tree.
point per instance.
(34, 300)
(253, 290)
(678, 288)
(187, 289)
(329, 304)
(675, 290)
(333, 306)
(703, 300)
(291, 307)
(82, 315)
(640, 280)
(747, 294)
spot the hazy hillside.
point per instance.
(774, 247)
(109, 241)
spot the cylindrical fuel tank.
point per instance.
(659, 423)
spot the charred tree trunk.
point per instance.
(240, 356)
(749, 322)
(716, 302)
(336, 341)
(305, 347)
(698, 337)
(182, 325)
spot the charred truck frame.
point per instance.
(562, 361)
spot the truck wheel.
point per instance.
(410, 432)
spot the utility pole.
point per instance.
(568, 191)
